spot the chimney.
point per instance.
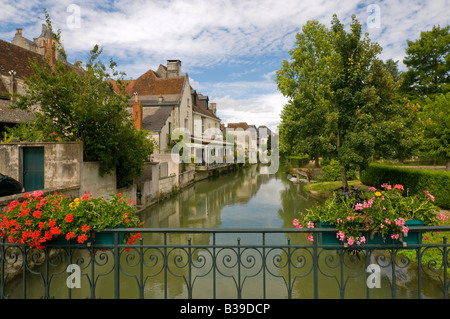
(19, 31)
(212, 107)
(160, 98)
(137, 113)
(49, 52)
(173, 68)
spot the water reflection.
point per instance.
(243, 199)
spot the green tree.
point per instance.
(74, 104)
(305, 79)
(428, 64)
(426, 83)
(336, 80)
(436, 134)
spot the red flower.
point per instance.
(82, 238)
(55, 230)
(69, 218)
(51, 223)
(37, 214)
(85, 228)
(27, 195)
(70, 235)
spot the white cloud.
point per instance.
(204, 34)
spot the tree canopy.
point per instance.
(340, 97)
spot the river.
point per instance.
(240, 199)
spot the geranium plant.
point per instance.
(39, 219)
(384, 211)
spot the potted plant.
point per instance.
(384, 216)
(40, 220)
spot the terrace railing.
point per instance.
(227, 263)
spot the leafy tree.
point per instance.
(436, 115)
(74, 104)
(336, 81)
(428, 63)
(305, 80)
(427, 83)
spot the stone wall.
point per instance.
(61, 162)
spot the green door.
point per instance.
(33, 168)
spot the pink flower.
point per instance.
(310, 224)
(442, 216)
(310, 238)
(350, 241)
(405, 230)
(398, 186)
(372, 189)
(37, 193)
(358, 206)
(340, 235)
(427, 193)
(395, 236)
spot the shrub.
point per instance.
(415, 181)
(332, 173)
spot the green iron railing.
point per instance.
(227, 263)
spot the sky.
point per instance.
(231, 49)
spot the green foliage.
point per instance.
(436, 134)
(331, 172)
(428, 63)
(305, 80)
(341, 98)
(415, 181)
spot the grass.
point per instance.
(326, 188)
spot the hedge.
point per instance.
(415, 181)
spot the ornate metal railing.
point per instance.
(227, 263)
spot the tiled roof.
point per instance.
(13, 57)
(155, 117)
(8, 115)
(199, 107)
(242, 125)
(150, 83)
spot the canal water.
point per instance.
(239, 199)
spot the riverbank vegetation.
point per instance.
(347, 105)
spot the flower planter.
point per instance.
(95, 238)
(329, 239)
(61, 242)
(100, 238)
